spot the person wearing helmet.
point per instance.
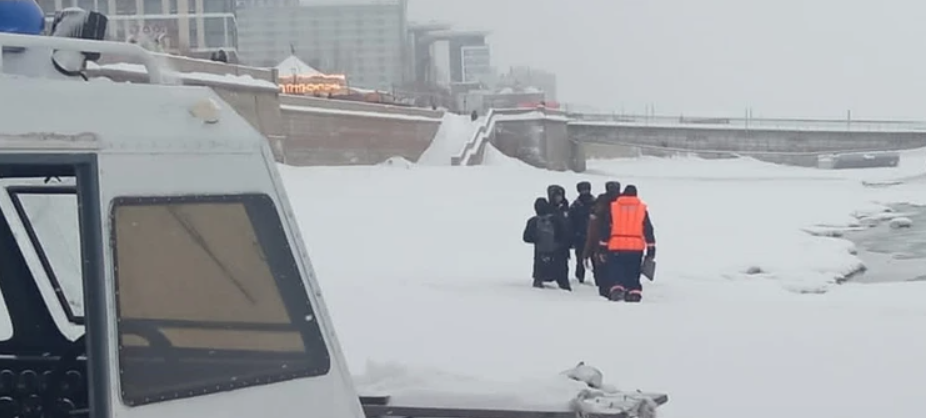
(23, 17)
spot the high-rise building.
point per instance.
(448, 57)
(364, 39)
(178, 25)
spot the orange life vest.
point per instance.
(627, 214)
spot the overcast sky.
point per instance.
(815, 58)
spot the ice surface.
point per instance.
(436, 278)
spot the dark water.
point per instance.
(893, 255)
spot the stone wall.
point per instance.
(744, 141)
(332, 132)
(538, 137)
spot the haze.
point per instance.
(783, 58)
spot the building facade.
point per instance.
(449, 57)
(178, 26)
(364, 39)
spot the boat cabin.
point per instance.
(150, 265)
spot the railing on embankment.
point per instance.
(799, 142)
(473, 150)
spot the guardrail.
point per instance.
(83, 45)
(782, 124)
(478, 141)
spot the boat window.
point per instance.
(6, 324)
(50, 216)
(209, 298)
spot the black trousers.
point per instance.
(580, 265)
(625, 268)
(551, 267)
(602, 280)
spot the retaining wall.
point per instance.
(331, 132)
(786, 146)
(538, 137)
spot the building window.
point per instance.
(209, 298)
(153, 7)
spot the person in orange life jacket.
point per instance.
(548, 232)
(630, 237)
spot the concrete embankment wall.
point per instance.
(785, 146)
(538, 137)
(332, 132)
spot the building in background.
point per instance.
(176, 26)
(444, 51)
(476, 64)
(364, 39)
(520, 78)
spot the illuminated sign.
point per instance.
(310, 88)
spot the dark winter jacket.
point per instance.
(593, 232)
(548, 266)
(543, 209)
(556, 193)
(579, 213)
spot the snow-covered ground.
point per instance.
(455, 130)
(428, 283)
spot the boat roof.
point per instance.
(102, 114)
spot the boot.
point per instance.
(633, 296)
(538, 284)
(617, 293)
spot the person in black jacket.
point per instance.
(548, 233)
(579, 213)
(556, 196)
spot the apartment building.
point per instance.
(364, 39)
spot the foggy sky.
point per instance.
(814, 58)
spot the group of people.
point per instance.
(611, 234)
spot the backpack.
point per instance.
(546, 234)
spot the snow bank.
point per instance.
(400, 162)
(494, 157)
(455, 130)
(428, 387)
(900, 222)
(423, 386)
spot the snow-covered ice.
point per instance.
(743, 320)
